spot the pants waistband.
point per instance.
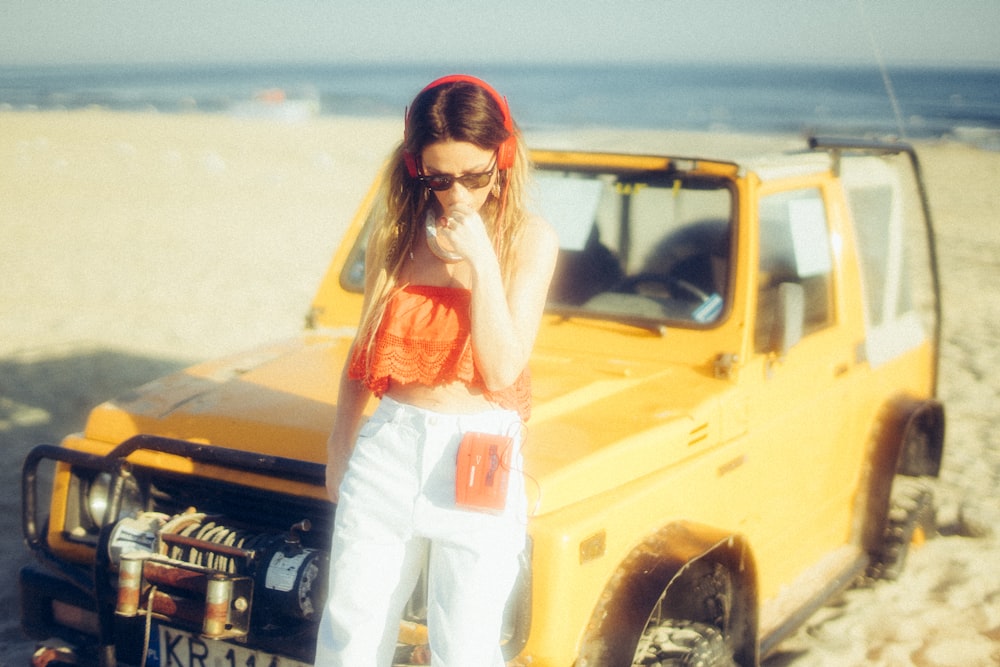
(498, 420)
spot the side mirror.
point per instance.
(789, 318)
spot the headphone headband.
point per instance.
(506, 151)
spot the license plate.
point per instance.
(176, 648)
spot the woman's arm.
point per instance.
(352, 398)
(505, 321)
(351, 403)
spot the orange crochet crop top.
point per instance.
(425, 337)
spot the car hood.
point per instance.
(594, 424)
(278, 399)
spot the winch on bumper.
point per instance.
(194, 571)
(235, 571)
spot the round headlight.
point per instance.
(99, 495)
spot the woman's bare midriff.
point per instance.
(452, 398)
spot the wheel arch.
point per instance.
(922, 440)
(672, 561)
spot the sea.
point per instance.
(901, 102)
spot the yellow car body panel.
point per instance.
(669, 434)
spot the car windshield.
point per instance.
(645, 247)
(652, 247)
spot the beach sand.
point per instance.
(135, 244)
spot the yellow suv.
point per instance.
(734, 419)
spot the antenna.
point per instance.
(886, 81)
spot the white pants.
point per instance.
(396, 509)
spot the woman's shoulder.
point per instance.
(536, 231)
(537, 247)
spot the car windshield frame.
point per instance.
(654, 248)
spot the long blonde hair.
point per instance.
(457, 111)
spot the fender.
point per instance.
(922, 441)
(703, 574)
(910, 442)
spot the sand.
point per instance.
(135, 244)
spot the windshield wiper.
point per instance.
(646, 323)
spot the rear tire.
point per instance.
(911, 522)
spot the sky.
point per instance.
(834, 32)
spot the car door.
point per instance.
(801, 421)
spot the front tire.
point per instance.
(678, 643)
(671, 638)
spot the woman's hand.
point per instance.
(337, 458)
(463, 231)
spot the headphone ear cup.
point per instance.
(411, 164)
(506, 153)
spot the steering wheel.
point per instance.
(674, 286)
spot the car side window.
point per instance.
(794, 248)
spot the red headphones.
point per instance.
(506, 151)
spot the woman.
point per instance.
(456, 278)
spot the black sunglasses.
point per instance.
(442, 182)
